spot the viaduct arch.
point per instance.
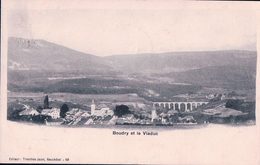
(181, 106)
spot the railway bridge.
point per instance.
(181, 106)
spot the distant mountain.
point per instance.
(232, 77)
(28, 54)
(226, 68)
(181, 61)
(40, 55)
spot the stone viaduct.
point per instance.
(181, 106)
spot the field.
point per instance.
(77, 98)
(145, 87)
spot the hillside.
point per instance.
(40, 55)
(33, 61)
(181, 61)
(232, 77)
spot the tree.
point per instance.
(121, 110)
(234, 104)
(64, 108)
(46, 102)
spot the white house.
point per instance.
(29, 112)
(154, 114)
(89, 121)
(73, 111)
(112, 121)
(85, 114)
(54, 113)
(100, 110)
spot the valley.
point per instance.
(224, 79)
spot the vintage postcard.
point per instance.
(129, 82)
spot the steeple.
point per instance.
(154, 114)
(93, 107)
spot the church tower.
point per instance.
(154, 114)
(93, 108)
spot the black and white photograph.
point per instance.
(131, 67)
(132, 70)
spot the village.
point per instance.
(152, 114)
(101, 114)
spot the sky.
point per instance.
(115, 31)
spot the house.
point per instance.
(107, 120)
(100, 110)
(89, 121)
(85, 114)
(29, 112)
(73, 111)
(172, 112)
(163, 120)
(128, 116)
(163, 114)
(54, 113)
(112, 121)
(187, 119)
(210, 96)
